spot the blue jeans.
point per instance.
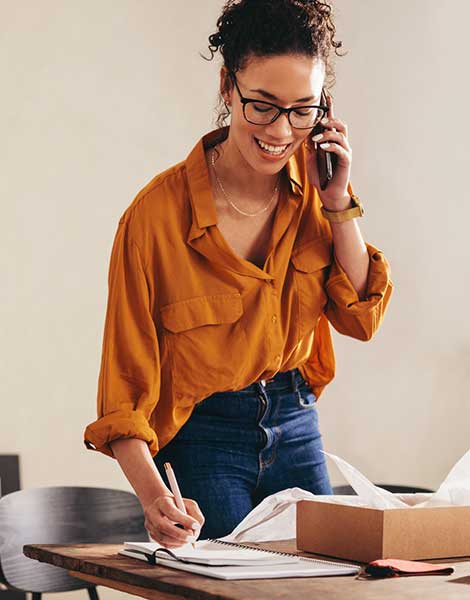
(239, 447)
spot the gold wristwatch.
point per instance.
(356, 210)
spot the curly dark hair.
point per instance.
(271, 28)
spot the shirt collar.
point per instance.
(202, 201)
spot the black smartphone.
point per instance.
(326, 161)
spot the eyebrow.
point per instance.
(273, 97)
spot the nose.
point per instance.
(281, 129)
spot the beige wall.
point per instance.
(99, 96)
(400, 406)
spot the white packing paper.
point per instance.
(455, 489)
(373, 496)
(272, 519)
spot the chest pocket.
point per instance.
(311, 264)
(205, 338)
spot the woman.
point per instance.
(224, 274)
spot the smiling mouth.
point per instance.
(271, 149)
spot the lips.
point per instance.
(269, 152)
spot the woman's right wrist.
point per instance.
(148, 497)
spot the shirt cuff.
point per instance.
(116, 425)
(342, 292)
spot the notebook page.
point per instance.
(208, 550)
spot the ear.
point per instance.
(226, 86)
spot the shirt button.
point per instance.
(274, 319)
(277, 357)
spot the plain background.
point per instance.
(99, 96)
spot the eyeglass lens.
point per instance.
(261, 113)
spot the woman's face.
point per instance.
(286, 80)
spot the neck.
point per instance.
(239, 176)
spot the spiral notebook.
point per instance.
(227, 560)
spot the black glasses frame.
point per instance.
(280, 109)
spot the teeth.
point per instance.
(273, 149)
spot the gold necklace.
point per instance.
(231, 203)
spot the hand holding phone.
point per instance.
(326, 161)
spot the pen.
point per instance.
(176, 490)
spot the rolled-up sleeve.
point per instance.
(348, 314)
(129, 378)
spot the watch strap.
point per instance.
(356, 210)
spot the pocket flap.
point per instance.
(313, 255)
(203, 310)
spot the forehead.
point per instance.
(288, 76)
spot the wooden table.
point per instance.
(101, 565)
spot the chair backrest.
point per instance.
(347, 490)
(9, 473)
(9, 482)
(62, 515)
(403, 489)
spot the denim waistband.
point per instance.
(284, 381)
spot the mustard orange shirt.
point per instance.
(187, 317)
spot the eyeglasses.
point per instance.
(259, 112)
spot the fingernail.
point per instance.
(325, 145)
(324, 121)
(317, 138)
(195, 526)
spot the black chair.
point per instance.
(9, 473)
(62, 515)
(9, 482)
(347, 490)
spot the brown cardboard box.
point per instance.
(365, 534)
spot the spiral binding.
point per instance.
(314, 560)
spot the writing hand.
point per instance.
(168, 525)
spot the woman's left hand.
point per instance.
(335, 196)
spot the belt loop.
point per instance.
(293, 380)
(295, 386)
